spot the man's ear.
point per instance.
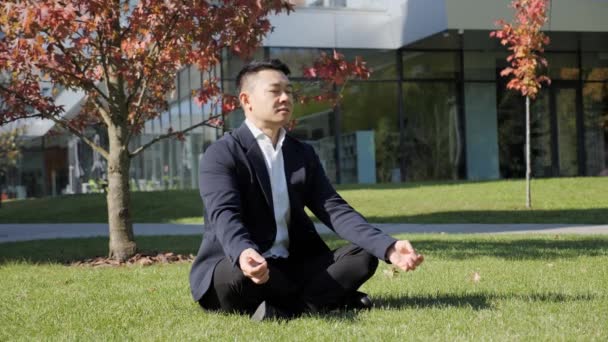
(244, 99)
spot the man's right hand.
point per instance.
(254, 266)
(404, 256)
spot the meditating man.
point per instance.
(261, 254)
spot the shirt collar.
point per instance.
(259, 135)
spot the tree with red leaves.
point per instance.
(124, 55)
(526, 43)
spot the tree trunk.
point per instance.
(528, 164)
(122, 243)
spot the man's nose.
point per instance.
(285, 97)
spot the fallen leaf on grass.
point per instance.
(391, 272)
(145, 261)
(476, 277)
(137, 259)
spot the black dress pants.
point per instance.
(323, 282)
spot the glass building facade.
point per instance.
(436, 109)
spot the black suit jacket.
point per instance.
(235, 188)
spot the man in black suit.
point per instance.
(261, 253)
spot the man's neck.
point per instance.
(270, 131)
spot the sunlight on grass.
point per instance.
(556, 200)
(527, 287)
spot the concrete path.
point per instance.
(23, 232)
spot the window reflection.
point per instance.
(432, 142)
(595, 104)
(370, 128)
(432, 65)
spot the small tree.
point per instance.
(526, 43)
(124, 55)
(9, 154)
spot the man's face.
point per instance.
(267, 97)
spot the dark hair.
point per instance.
(255, 66)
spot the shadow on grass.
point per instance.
(473, 301)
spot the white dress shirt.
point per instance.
(278, 184)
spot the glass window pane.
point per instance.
(353, 4)
(197, 112)
(567, 137)
(445, 40)
(316, 126)
(184, 83)
(195, 78)
(595, 103)
(443, 65)
(481, 40)
(164, 122)
(174, 120)
(483, 66)
(432, 141)
(594, 41)
(184, 108)
(562, 41)
(232, 64)
(296, 58)
(147, 127)
(512, 129)
(382, 63)
(595, 66)
(370, 133)
(562, 66)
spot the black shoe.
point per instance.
(266, 312)
(359, 301)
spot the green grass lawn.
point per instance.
(557, 200)
(531, 287)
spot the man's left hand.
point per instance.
(404, 256)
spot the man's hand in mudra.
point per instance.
(404, 256)
(254, 266)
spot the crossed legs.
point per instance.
(324, 282)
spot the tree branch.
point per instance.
(4, 122)
(138, 113)
(168, 135)
(158, 46)
(79, 134)
(103, 57)
(102, 111)
(88, 83)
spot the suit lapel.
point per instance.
(290, 161)
(256, 159)
(295, 170)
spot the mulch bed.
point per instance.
(139, 259)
